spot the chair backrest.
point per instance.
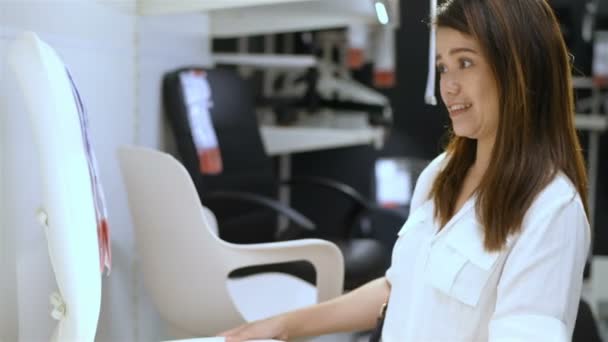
(68, 209)
(246, 167)
(236, 126)
(185, 265)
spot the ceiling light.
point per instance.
(382, 11)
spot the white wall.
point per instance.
(164, 43)
(12, 198)
(7, 256)
(99, 44)
(96, 43)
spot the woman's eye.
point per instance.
(441, 68)
(465, 63)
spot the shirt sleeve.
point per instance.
(541, 282)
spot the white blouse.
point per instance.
(446, 287)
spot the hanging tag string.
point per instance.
(429, 94)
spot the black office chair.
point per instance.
(241, 195)
(586, 328)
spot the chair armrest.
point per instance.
(323, 255)
(299, 219)
(327, 183)
(363, 204)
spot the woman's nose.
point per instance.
(451, 86)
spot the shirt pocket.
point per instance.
(458, 264)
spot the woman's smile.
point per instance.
(458, 109)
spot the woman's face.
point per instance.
(468, 87)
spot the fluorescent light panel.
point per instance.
(381, 12)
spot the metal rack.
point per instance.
(595, 123)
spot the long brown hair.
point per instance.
(536, 137)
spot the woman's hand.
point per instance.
(271, 328)
(355, 311)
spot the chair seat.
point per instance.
(364, 260)
(260, 296)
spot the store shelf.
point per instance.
(287, 140)
(580, 82)
(288, 18)
(237, 18)
(591, 122)
(161, 7)
(265, 60)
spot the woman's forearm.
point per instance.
(354, 311)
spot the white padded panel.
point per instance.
(67, 194)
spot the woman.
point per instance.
(497, 238)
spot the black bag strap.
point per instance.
(377, 332)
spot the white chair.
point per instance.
(186, 265)
(67, 211)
